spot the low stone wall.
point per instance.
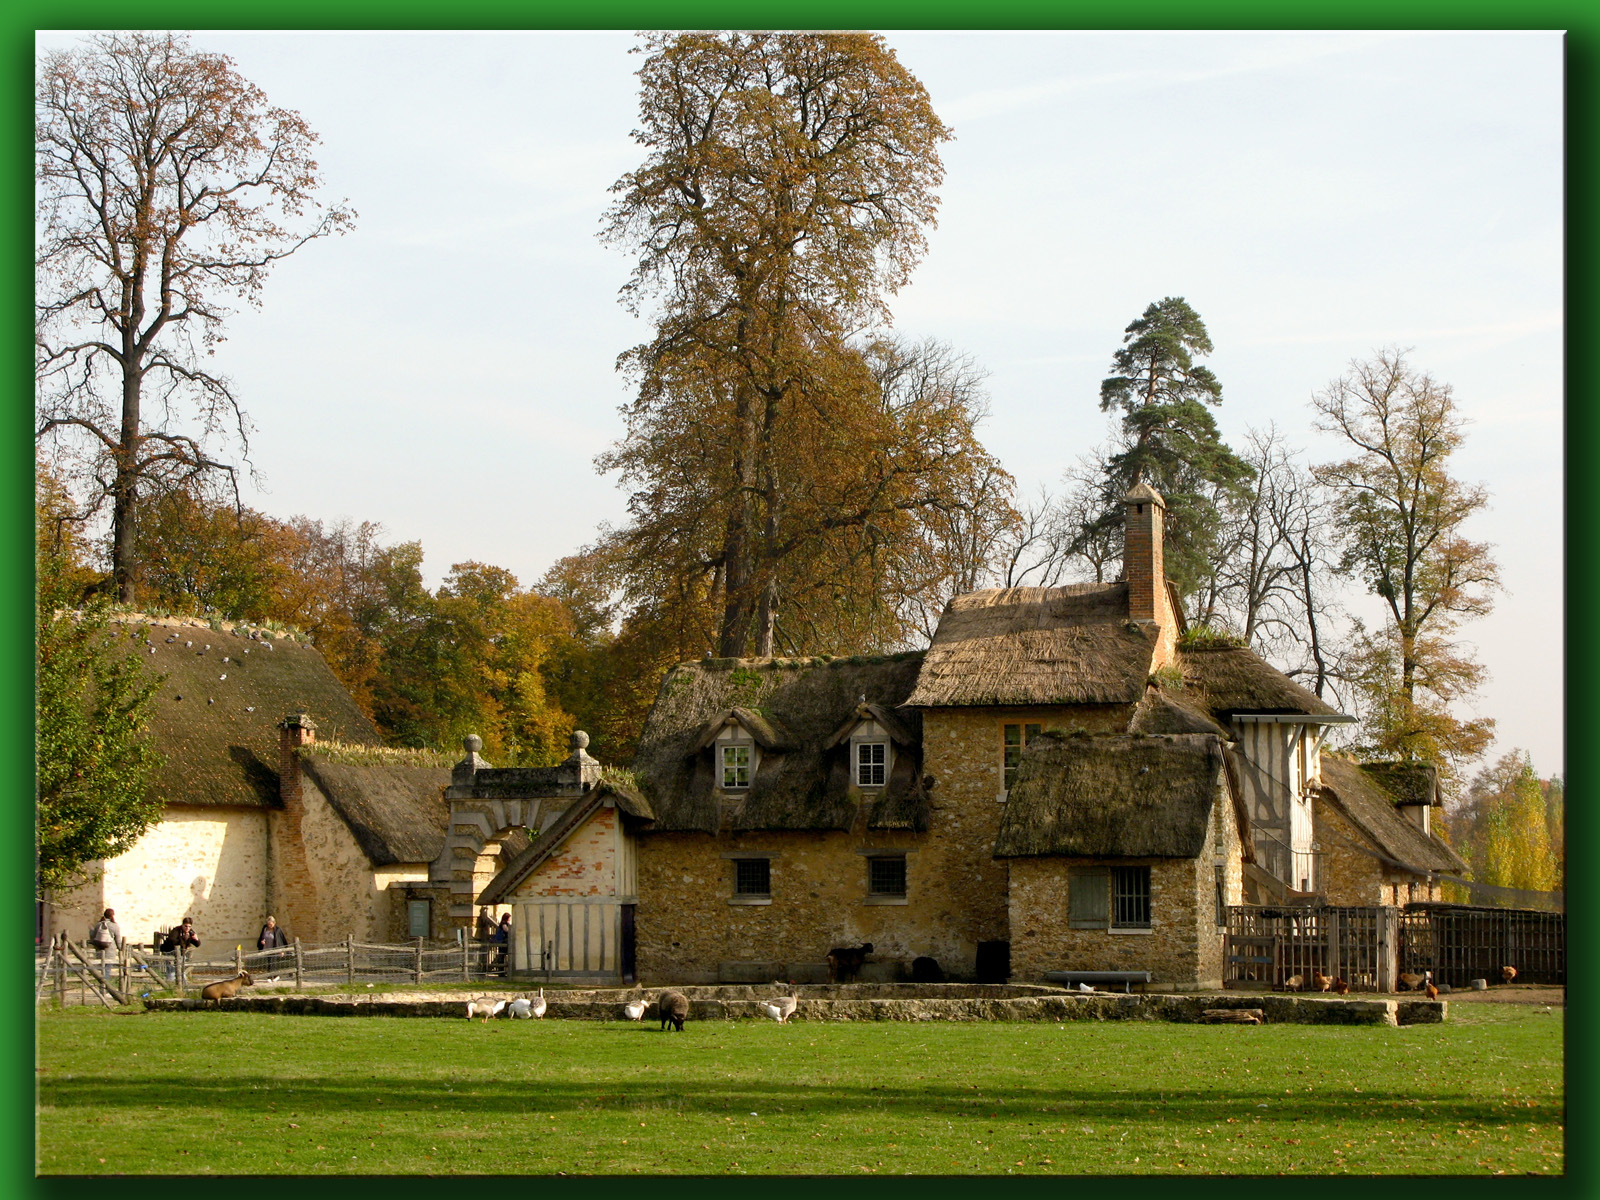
(857, 1003)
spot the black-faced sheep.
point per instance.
(672, 1007)
(226, 989)
(844, 962)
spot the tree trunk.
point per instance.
(125, 492)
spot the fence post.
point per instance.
(238, 960)
(466, 962)
(419, 960)
(61, 970)
(1330, 930)
(182, 953)
(299, 967)
(1388, 947)
(350, 958)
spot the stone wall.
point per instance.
(205, 863)
(1349, 875)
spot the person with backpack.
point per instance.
(105, 937)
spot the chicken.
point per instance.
(1294, 983)
(1324, 983)
(1409, 982)
(1340, 986)
(1427, 985)
(1507, 974)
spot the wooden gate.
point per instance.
(1268, 946)
(568, 939)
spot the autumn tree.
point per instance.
(168, 187)
(1501, 826)
(1400, 518)
(1167, 436)
(787, 185)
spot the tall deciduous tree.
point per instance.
(168, 186)
(1401, 516)
(1168, 437)
(788, 182)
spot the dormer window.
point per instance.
(872, 764)
(735, 766)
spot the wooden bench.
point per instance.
(1123, 977)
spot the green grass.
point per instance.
(193, 1093)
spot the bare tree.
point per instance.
(167, 185)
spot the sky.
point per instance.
(447, 369)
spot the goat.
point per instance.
(672, 1008)
(844, 962)
(226, 989)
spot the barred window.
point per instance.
(736, 766)
(886, 876)
(1130, 897)
(1015, 741)
(752, 877)
(872, 761)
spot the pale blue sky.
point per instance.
(447, 369)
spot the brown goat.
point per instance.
(672, 1007)
(844, 962)
(226, 989)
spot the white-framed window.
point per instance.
(734, 767)
(872, 764)
(1130, 897)
(752, 877)
(886, 875)
(1014, 739)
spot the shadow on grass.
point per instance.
(266, 1095)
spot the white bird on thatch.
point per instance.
(634, 1009)
(484, 1007)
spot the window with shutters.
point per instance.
(1014, 740)
(1130, 897)
(1088, 889)
(872, 764)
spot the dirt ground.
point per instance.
(1516, 993)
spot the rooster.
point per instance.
(1340, 986)
(1507, 974)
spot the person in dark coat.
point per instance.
(178, 941)
(502, 943)
(272, 937)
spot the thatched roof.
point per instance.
(527, 857)
(1028, 646)
(1407, 782)
(803, 786)
(1112, 796)
(896, 728)
(1370, 808)
(1159, 711)
(397, 814)
(765, 730)
(220, 740)
(1226, 680)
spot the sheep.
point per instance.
(844, 962)
(672, 1008)
(226, 989)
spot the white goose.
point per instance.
(484, 1007)
(772, 1010)
(521, 1009)
(634, 1009)
(538, 1006)
(785, 1006)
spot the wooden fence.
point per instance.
(78, 971)
(1460, 943)
(1269, 946)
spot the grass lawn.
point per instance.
(247, 1093)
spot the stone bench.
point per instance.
(1125, 978)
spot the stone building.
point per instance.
(258, 816)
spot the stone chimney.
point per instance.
(292, 879)
(1143, 566)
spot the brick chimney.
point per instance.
(293, 881)
(1144, 568)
